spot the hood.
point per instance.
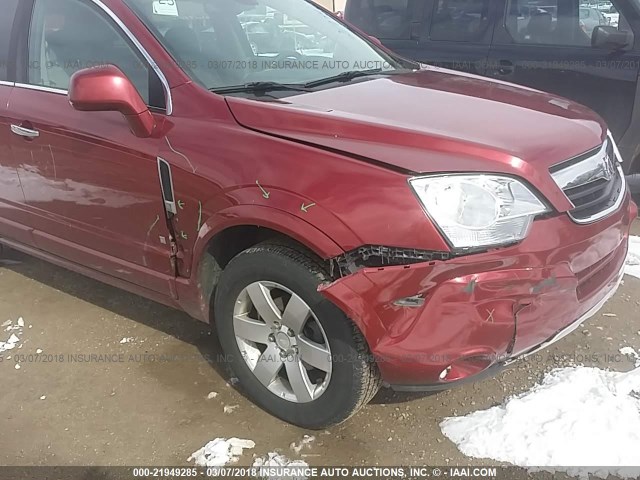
(433, 120)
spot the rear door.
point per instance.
(11, 197)
(545, 44)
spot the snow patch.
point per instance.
(577, 419)
(632, 265)
(274, 459)
(306, 442)
(220, 452)
(14, 339)
(630, 352)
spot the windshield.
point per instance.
(227, 43)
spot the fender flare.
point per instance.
(191, 296)
(275, 219)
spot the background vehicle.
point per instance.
(546, 45)
(590, 18)
(612, 16)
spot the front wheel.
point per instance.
(295, 353)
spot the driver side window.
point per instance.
(69, 35)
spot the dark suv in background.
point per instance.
(548, 45)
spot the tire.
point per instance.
(353, 377)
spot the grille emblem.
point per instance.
(608, 169)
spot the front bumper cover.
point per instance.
(501, 365)
(471, 316)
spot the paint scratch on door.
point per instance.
(146, 241)
(153, 225)
(53, 159)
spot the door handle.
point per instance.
(24, 132)
(505, 67)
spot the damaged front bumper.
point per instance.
(437, 324)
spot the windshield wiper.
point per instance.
(261, 87)
(343, 77)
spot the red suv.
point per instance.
(346, 217)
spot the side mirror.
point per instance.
(375, 40)
(107, 89)
(605, 36)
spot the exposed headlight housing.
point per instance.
(479, 210)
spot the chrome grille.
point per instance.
(594, 183)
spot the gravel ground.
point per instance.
(142, 411)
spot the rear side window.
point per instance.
(460, 20)
(9, 8)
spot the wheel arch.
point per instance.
(235, 229)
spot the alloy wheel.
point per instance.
(282, 342)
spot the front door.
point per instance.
(12, 218)
(91, 187)
(547, 45)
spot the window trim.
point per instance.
(9, 77)
(41, 88)
(124, 29)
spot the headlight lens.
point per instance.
(479, 210)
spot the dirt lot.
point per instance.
(143, 411)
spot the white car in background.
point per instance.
(590, 18)
(613, 17)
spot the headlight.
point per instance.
(479, 210)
